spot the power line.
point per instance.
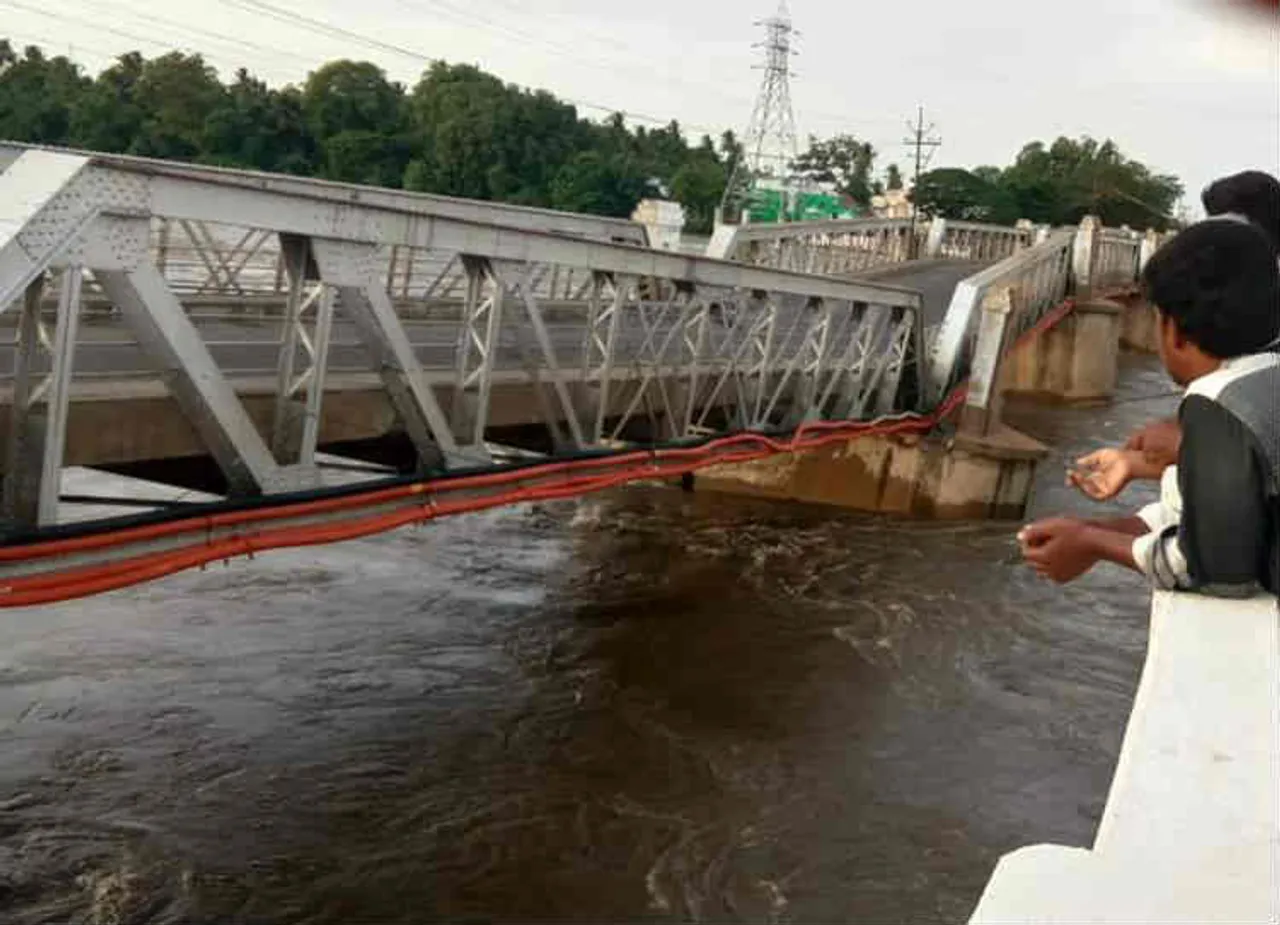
(98, 27)
(199, 32)
(323, 28)
(327, 29)
(52, 45)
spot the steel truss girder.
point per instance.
(352, 270)
(524, 290)
(307, 330)
(223, 265)
(605, 306)
(207, 399)
(476, 357)
(653, 359)
(38, 415)
(43, 207)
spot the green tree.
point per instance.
(893, 178)
(595, 182)
(177, 94)
(842, 160)
(1062, 182)
(260, 128)
(475, 136)
(698, 185)
(108, 117)
(965, 195)
(358, 119)
(37, 95)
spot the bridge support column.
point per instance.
(1074, 361)
(966, 478)
(1139, 326)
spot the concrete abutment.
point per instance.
(928, 477)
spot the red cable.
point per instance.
(96, 579)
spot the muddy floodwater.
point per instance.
(642, 706)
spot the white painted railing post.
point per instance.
(937, 233)
(1026, 234)
(981, 413)
(1084, 255)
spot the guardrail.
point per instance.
(992, 310)
(954, 240)
(1191, 829)
(1117, 259)
(841, 247)
(1009, 298)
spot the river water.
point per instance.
(643, 706)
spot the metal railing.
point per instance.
(992, 310)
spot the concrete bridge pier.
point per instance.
(984, 472)
(1074, 361)
(985, 477)
(1139, 326)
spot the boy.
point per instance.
(1216, 529)
(1251, 196)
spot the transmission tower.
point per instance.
(769, 145)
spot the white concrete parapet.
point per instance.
(1191, 831)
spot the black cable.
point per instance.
(97, 27)
(199, 32)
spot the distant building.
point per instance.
(894, 203)
(665, 221)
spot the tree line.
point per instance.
(1049, 184)
(463, 132)
(459, 131)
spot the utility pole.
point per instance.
(922, 139)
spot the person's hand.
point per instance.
(1058, 548)
(1159, 443)
(1104, 474)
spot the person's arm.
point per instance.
(1115, 546)
(1159, 442)
(1218, 545)
(1131, 527)
(1062, 548)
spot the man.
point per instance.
(1216, 529)
(1252, 196)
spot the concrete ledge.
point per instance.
(1191, 831)
(924, 477)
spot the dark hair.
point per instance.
(1219, 282)
(1253, 194)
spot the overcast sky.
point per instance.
(1184, 85)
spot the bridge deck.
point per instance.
(935, 280)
